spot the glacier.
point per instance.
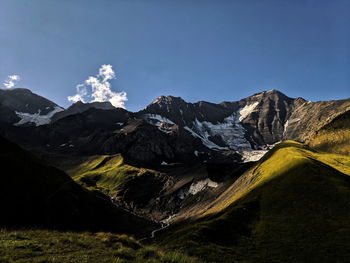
(36, 118)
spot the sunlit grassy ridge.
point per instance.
(51, 246)
(336, 141)
(293, 206)
(105, 172)
(335, 136)
(284, 158)
(333, 141)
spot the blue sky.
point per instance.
(213, 50)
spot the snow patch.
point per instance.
(155, 118)
(247, 110)
(163, 124)
(36, 117)
(252, 156)
(230, 130)
(289, 122)
(203, 135)
(285, 126)
(197, 187)
(164, 163)
(201, 185)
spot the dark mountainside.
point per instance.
(79, 107)
(34, 194)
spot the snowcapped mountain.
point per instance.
(242, 125)
(252, 123)
(22, 107)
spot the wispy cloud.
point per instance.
(99, 88)
(11, 81)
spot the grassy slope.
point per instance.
(336, 141)
(107, 173)
(51, 246)
(293, 206)
(335, 136)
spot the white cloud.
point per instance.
(81, 93)
(11, 81)
(98, 88)
(106, 72)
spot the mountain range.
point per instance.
(265, 178)
(169, 129)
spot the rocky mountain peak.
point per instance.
(79, 107)
(105, 105)
(273, 93)
(167, 100)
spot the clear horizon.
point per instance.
(213, 51)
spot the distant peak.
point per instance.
(92, 103)
(269, 93)
(96, 104)
(17, 90)
(273, 91)
(166, 100)
(79, 102)
(103, 103)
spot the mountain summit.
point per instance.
(80, 107)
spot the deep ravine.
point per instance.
(163, 223)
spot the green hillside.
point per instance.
(66, 247)
(106, 173)
(293, 206)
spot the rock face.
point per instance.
(265, 123)
(309, 117)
